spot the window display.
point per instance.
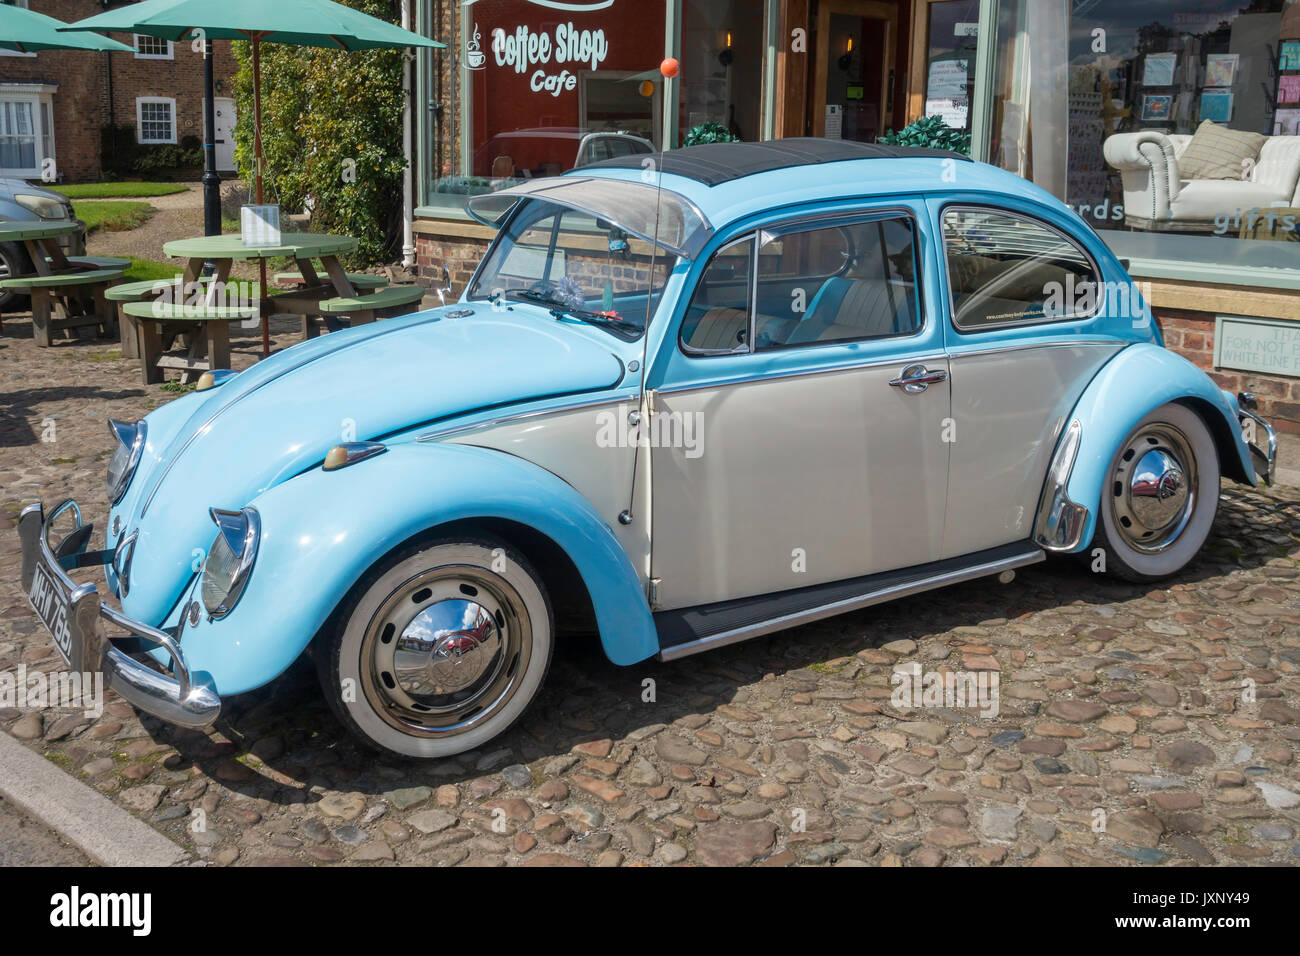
(1180, 115)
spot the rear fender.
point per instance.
(1137, 381)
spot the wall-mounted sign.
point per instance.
(1271, 346)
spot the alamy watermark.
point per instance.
(965, 690)
(624, 428)
(75, 690)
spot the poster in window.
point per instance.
(1159, 69)
(1286, 123)
(1220, 69)
(1288, 89)
(948, 79)
(1216, 105)
(1290, 58)
(1156, 108)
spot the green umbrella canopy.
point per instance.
(24, 31)
(297, 22)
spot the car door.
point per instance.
(1023, 343)
(809, 369)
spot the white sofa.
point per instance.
(1156, 197)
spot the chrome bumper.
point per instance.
(1263, 456)
(74, 616)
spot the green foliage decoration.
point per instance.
(930, 131)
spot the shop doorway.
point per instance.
(854, 72)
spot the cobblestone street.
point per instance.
(1138, 725)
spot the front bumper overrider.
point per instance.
(74, 615)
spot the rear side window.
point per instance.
(1009, 270)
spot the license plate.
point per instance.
(51, 606)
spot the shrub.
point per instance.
(321, 109)
(120, 155)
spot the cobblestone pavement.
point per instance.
(1125, 735)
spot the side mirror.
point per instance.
(444, 290)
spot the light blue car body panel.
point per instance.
(323, 530)
(1137, 381)
(259, 438)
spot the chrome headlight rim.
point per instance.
(239, 532)
(131, 440)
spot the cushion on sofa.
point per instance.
(1217, 152)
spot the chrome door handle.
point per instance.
(917, 378)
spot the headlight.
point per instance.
(230, 559)
(43, 206)
(126, 457)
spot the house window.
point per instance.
(26, 130)
(155, 118)
(152, 48)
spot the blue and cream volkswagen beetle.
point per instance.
(685, 400)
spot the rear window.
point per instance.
(1009, 270)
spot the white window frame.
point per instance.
(140, 102)
(38, 95)
(169, 55)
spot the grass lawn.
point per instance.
(142, 269)
(119, 190)
(112, 216)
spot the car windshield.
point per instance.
(579, 267)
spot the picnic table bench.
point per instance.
(76, 285)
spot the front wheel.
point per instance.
(441, 650)
(1158, 506)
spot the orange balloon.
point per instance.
(669, 67)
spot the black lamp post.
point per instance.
(211, 181)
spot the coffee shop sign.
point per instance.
(525, 50)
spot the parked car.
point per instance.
(20, 201)
(550, 150)
(799, 379)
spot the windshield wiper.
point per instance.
(621, 329)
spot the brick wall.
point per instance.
(95, 89)
(1191, 334)
(459, 254)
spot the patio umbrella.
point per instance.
(318, 23)
(24, 31)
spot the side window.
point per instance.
(717, 320)
(842, 283)
(1006, 270)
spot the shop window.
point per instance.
(1182, 118)
(528, 90)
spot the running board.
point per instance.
(691, 630)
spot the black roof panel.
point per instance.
(717, 163)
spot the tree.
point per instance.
(331, 135)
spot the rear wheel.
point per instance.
(13, 262)
(1158, 506)
(442, 650)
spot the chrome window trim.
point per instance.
(803, 373)
(1026, 347)
(439, 434)
(1015, 214)
(827, 219)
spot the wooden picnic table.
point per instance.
(303, 247)
(81, 298)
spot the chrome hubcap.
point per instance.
(1153, 492)
(445, 651)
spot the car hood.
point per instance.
(282, 415)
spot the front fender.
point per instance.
(321, 531)
(1134, 383)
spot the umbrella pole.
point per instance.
(257, 153)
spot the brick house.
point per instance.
(56, 104)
